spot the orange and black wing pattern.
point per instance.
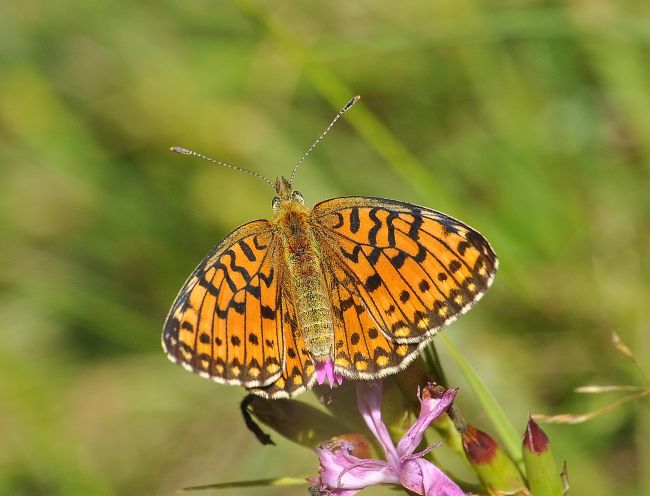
(226, 323)
(415, 269)
(298, 372)
(362, 350)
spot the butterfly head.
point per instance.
(285, 195)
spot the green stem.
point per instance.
(507, 433)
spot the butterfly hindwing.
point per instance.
(226, 323)
(415, 269)
(298, 371)
(361, 348)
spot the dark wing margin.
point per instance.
(415, 269)
(226, 323)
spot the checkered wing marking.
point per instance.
(226, 323)
(415, 269)
(298, 373)
(361, 348)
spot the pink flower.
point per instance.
(325, 370)
(344, 474)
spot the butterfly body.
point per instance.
(302, 257)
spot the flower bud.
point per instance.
(543, 476)
(493, 466)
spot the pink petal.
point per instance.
(369, 396)
(424, 478)
(342, 471)
(325, 370)
(430, 410)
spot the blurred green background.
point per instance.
(528, 120)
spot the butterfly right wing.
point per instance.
(361, 348)
(226, 322)
(415, 269)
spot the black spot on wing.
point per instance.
(374, 255)
(372, 283)
(259, 246)
(268, 280)
(268, 312)
(454, 266)
(391, 227)
(233, 266)
(254, 290)
(247, 251)
(355, 223)
(238, 307)
(421, 254)
(414, 230)
(398, 260)
(372, 234)
(353, 255)
(339, 220)
(347, 304)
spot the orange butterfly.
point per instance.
(352, 288)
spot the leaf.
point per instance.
(274, 482)
(502, 424)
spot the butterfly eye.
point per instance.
(297, 196)
(275, 203)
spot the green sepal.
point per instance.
(544, 478)
(492, 464)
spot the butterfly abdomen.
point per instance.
(303, 262)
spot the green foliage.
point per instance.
(527, 120)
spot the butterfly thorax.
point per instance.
(305, 276)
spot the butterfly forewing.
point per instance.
(226, 323)
(415, 269)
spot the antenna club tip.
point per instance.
(178, 149)
(352, 101)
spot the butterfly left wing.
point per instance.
(298, 372)
(415, 269)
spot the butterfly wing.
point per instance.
(226, 323)
(415, 269)
(361, 349)
(298, 372)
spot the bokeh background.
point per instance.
(528, 120)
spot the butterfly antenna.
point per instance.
(185, 151)
(347, 107)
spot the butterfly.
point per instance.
(353, 287)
